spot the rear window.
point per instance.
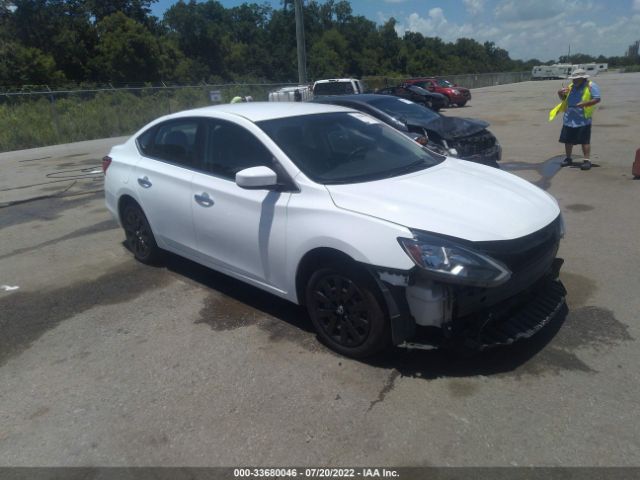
(333, 88)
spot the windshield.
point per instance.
(418, 90)
(404, 110)
(445, 83)
(343, 147)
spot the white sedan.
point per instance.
(383, 241)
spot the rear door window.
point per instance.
(174, 141)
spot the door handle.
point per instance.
(144, 182)
(204, 199)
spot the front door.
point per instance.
(241, 231)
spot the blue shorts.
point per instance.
(576, 135)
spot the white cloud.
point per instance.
(435, 24)
(636, 5)
(475, 7)
(527, 34)
(531, 10)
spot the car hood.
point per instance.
(451, 128)
(455, 198)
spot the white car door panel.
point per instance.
(239, 229)
(164, 191)
(162, 179)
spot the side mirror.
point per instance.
(257, 178)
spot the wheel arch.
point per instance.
(317, 257)
(123, 202)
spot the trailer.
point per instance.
(563, 70)
(301, 93)
(591, 68)
(549, 72)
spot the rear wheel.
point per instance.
(346, 313)
(140, 239)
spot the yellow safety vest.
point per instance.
(562, 106)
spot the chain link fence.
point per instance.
(470, 80)
(38, 116)
(45, 117)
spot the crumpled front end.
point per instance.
(431, 313)
(481, 147)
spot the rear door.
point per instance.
(162, 179)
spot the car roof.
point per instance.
(329, 80)
(259, 111)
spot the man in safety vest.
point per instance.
(578, 100)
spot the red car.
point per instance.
(457, 95)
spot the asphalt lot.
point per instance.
(104, 361)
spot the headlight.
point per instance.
(456, 92)
(453, 263)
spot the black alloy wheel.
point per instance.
(346, 313)
(140, 239)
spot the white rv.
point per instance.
(557, 70)
(590, 68)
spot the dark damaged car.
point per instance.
(464, 138)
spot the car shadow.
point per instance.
(432, 364)
(425, 364)
(252, 297)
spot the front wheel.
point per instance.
(462, 104)
(140, 239)
(346, 312)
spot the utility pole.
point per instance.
(302, 56)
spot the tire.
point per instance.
(346, 312)
(140, 239)
(462, 104)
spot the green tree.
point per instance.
(20, 65)
(126, 51)
(138, 10)
(201, 32)
(59, 28)
(327, 57)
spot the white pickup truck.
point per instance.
(338, 86)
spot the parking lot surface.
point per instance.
(104, 361)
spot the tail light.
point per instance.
(106, 161)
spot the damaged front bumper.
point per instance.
(426, 314)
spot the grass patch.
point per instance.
(29, 121)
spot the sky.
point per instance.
(527, 29)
